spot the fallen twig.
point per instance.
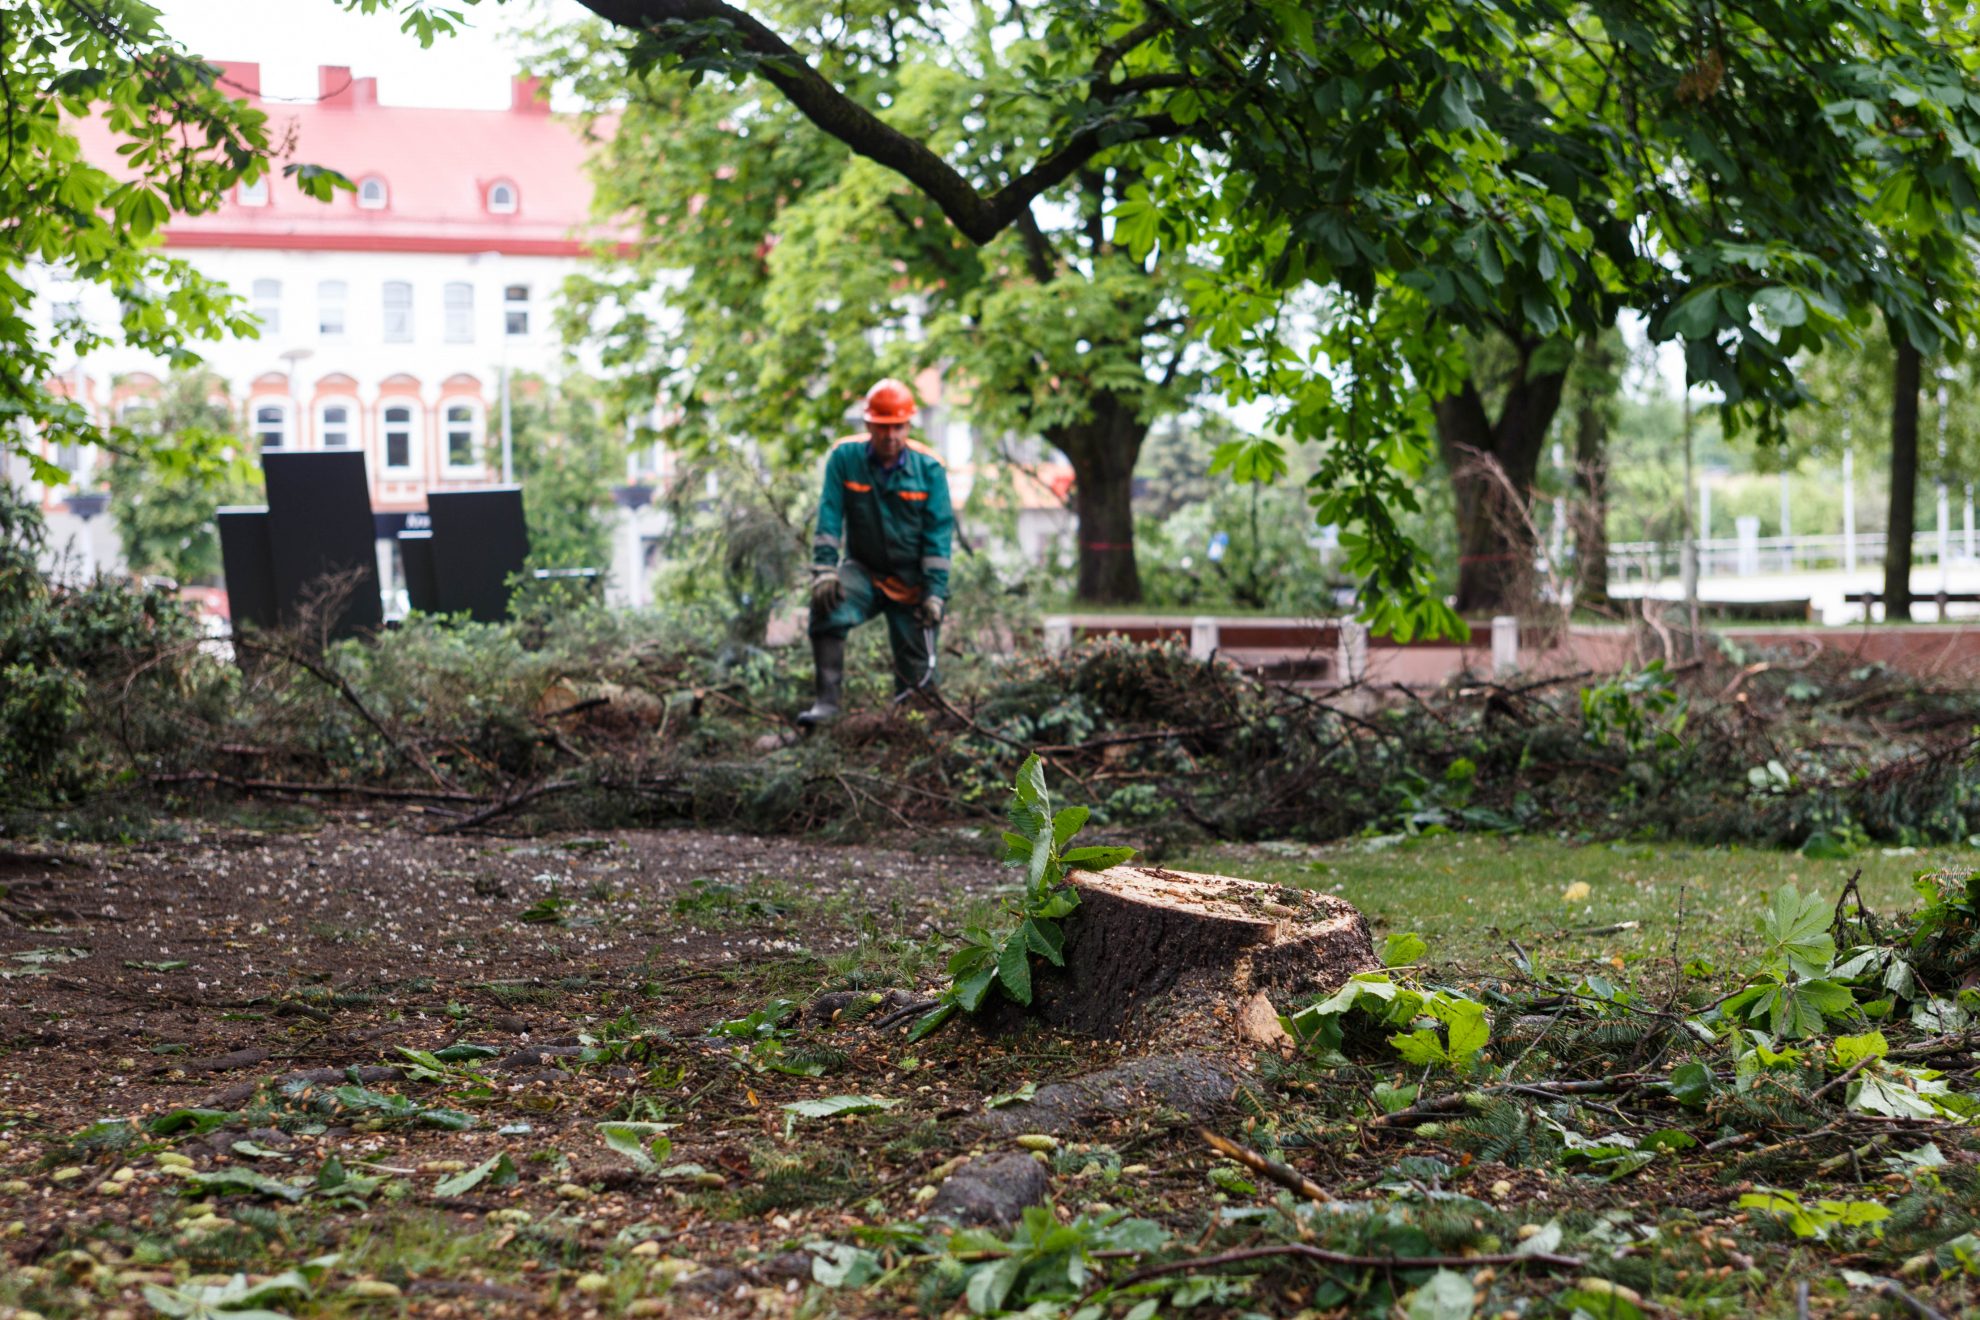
(1283, 1174)
(1452, 1103)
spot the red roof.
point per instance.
(437, 167)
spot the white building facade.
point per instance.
(390, 318)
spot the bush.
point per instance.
(78, 666)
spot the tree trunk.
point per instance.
(1103, 450)
(1904, 479)
(1496, 545)
(1591, 465)
(1169, 957)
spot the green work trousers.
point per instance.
(859, 601)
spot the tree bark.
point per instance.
(1103, 451)
(1175, 958)
(1495, 534)
(1906, 379)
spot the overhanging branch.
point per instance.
(979, 217)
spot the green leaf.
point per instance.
(1067, 823)
(1097, 858)
(1850, 1050)
(832, 1106)
(1045, 939)
(1798, 926)
(1447, 1295)
(1420, 1048)
(1030, 784)
(971, 990)
(1022, 1096)
(841, 1265)
(931, 1022)
(223, 1181)
(497, 1170)
(991, 1283)
(1403, 949)
(197, 1121)
(640, 1143)
(1691, 1085)
(1782, 306)
(1469, 1032)
(1596, 1303)
(1014, 969)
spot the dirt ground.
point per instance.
(366, 1067)
(143, 980)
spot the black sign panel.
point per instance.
(250, 571)
(319, 526)
(479, 541)
(416, 557)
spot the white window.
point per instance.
(398, 430)
(268, 304)
(271, 424)
(502, 198)
(515, 310)
(331, 298)
(463, 435)
(398, 312)
(253, 194)
(333, 424)
(372, 195)
(459, 301)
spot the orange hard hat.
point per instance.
(889, 401)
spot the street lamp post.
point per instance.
(292, 435)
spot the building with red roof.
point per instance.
(391, 315)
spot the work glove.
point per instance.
(932, 608)
(826, 591)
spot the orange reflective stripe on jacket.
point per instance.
(859, 486)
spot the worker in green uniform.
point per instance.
(881, 547)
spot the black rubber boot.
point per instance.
(828, 658)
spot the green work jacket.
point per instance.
(898, 524)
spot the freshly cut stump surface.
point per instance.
(1175, 958)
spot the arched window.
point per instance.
(336, 424)
(503, 199)
(463, 435)
(271, 424)
(252, 194)
(398, 431)
(458, 301)
(372, 194)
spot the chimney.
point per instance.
(364, 92)
(527, 97)
(239, 78)
(333, 85)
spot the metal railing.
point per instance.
(1652, 561)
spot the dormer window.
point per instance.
(371, 194)
(503, 198)
(253, 194)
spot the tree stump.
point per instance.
(1177, 959)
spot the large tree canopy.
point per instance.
(774, 275)
(1743, 174)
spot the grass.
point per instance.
(1469, 895)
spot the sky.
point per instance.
(290, 38)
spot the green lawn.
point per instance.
(1468, 896)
